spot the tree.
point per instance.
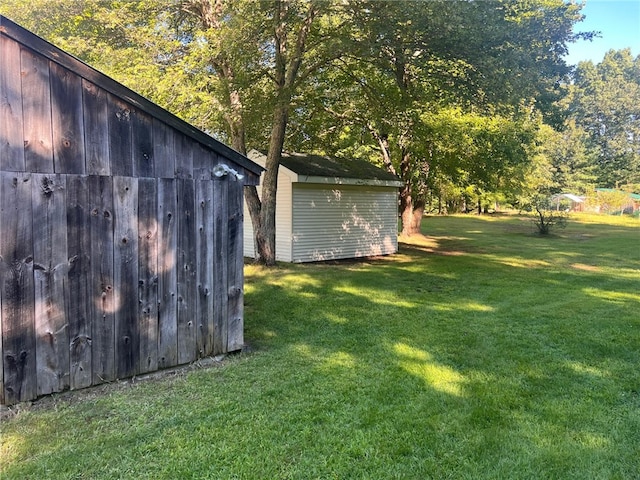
(605, 102)
(571, 161)
(231, 67)
(134, 42)
(545, 217)
(495, 63)
(281, 34)
(610, 200)
(375, 78)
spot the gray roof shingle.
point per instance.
(321, 166)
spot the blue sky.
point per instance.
(619, 22)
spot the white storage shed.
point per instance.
(329, 209)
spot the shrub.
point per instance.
(546, 218)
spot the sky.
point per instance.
(619, 22)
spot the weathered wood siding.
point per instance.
(343, 221)
(120, 252)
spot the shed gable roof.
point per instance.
(53, 53)
(568, 196)
(321, 169)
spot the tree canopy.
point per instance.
(461, 99)
(605, 102)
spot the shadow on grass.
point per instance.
(525, 351)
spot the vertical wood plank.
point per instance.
(186, 271)
(96, 132)
(184, 156)
(77, 296)
(220, 248)
(164, 151)
(235, 315)
(204, 247)
(142, 148)
(125, 262)
(67, 120)
(148, 273)
(16, 254)
(36, 107)
(11, 121)
(49, 272)
(103, 302)
(167, 273)
(203, 161)
(120, 141)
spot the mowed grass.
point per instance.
(481, 351)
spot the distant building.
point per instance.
(568, 202)
(629, 202)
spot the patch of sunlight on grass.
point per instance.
(476, 307)
(443, 307)
(302, 349)
(298, 281)
(308, 295)
(10, 446)
(521, 262)
(282, 277)
(336, 318)
(585, 369)
(585, 267)
(431, 245)
(611, 296)
(340, 359)
(592, 218)
(421, 364)
(568, 254)
(592, 440)
(419, 268)
(333, 360)
(419, 241)
(400, 257)
(255, 270)
(465, 306)
(625, 273)
(376, 296)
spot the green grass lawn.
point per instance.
(482, 351)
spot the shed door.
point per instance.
(339, 221)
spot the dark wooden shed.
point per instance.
(120, 228)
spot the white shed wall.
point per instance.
(341, 221)
(284, 214)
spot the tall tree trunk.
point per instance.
(288, 59)
(411, 209)
(289, 50)
(253, 205)
(265, 234)
(411, 213)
